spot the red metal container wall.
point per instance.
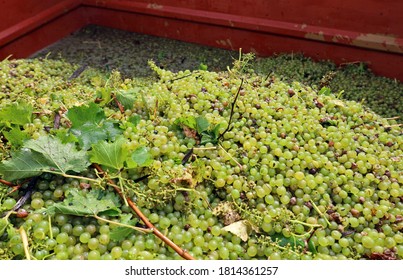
(366, 16)
(13, 12)
(337, 30)
(338, 22)
(29, 25)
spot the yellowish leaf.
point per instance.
(242, 229)
(338, 103)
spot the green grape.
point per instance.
(140, 245)
(116, 252)
(40, 233)
(9, 203)
(62, 238)
(78, 230)
(127, 245)
(62, 255)
(94, 255)
(164, 223)
(368, 242)
(93, 243)
(212, 245)
(85, 237)
(103, 238)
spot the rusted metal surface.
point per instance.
(343, 31)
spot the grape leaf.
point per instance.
(112, 155)
(211, 136)
(80, 203)
(189, 121)
(311, 246)
(118, 234)
(90, 125)
(202, 124)
(41, 155)
(15, 136)
(325, 91)
(105, 95)
(64, 136)
(292, 241)
(23, 164)
(111, 128)
(132, 122)
(89, 133)
(61, 157)
(80, 115)
(128, 97)
(16, 113)
(141, 157)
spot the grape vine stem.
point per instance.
(123, 225)
(149, 225)
(24, 239)
(7, 183)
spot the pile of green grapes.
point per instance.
(354, 81)
(107, 49)
(242, 166)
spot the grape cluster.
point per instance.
(304, 174)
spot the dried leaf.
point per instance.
(186, 178)
(242, 229)
(338, 103)
(191, 133)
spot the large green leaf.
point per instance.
(80, 115)
(16, 113)
(42, 155)
(60, 157)
(90, 125)
(80, 203)
(23, 164)
(111, 155)
(89, 133)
